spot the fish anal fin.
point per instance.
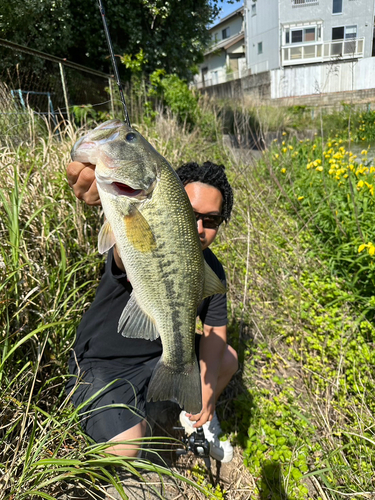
(106, 238)
(134, 323)
(212, 284)
(139, 232)
(182, 386)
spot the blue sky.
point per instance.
(228, 8)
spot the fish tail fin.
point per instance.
(182, 386)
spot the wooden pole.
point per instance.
(63, 81)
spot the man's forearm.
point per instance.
(211, 350)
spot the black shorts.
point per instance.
(118, 395)
(111, 395)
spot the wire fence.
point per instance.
(52, 89)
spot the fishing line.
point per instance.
(114, 64)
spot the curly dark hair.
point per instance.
(213, 175)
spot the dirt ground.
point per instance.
(232, 477)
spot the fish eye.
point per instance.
(131, 137)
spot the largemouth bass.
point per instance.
(150, 220)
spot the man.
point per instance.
(119, 367)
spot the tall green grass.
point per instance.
(49, 270)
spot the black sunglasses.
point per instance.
(209, 221)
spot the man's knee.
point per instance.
(131, 441)
(229, 364)
(232, 360)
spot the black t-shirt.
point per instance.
(97, 335)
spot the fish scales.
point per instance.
(150, 219)
(161, 288)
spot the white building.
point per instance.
(283, 33)
(293, 48)
(225, 59)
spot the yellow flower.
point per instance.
(360, 184)
(284, 133)
(283, 170)
(300, 198)
(370, 187)
(319, 169)
(364, 152)
(284, 150)
(370, 248)
(276, 156)
(290, 147)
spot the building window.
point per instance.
(309, 35)
(253, 9)
(350, 32)
(337, 7)
(338, 33)
(297, 36)
(303, 35)
(344, 32)
(225, 33)
(260, 48)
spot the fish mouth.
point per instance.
(125, 190)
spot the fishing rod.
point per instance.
(114, 64)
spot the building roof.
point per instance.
(226, 43)
(226, 18)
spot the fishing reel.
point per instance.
(195, 443)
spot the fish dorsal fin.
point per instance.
(138, 231)
(135, 323)
(106, 238)
(212, 284)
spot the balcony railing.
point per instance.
(322, 51)
(218, 78)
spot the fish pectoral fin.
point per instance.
(106, 238)
(138, 231)
(212, 284)
(135, 323)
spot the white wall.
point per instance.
(354, 12)
(263, 27)
(323, 78)
(235, 25)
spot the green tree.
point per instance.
(42, 25)
(172, 34)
